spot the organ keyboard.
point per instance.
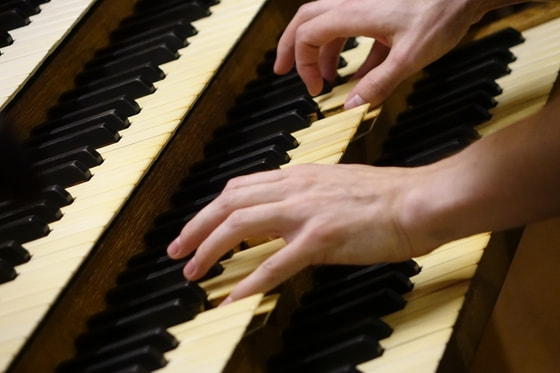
(114, 239)
(34, 42)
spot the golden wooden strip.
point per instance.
(433, 312)
(34, 42)
(72, 238)
(392, 357)
(207, 342)
(356, 56)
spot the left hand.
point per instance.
(344, 214)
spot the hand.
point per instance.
(409, 34)
(344, 214)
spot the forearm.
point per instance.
(504, 180)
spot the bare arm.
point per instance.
(409, 35)
(357, 214)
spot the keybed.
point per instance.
(56, 257)
(33, 43)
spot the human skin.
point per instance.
(409, 35)
(360, 214)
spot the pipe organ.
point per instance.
(133, 116)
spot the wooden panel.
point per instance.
(524, 331)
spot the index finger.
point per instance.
(276, 269)
(285, 52)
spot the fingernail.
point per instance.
(190, 268)
(226, 301)
(173, 247)
(355, 101)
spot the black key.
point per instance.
(13, 18)
(328, 274)
(124, 106)
(470, 115)
(463, 135)
(265, 100)
(156, 55)
(484, 84)
(44, 209)
(18, 180)
(166, 232)
(7, 271)
(110, 120)
(86, 155)
(378, 304)
(66, 174)
(62, 125)
(436, 153)
(153, 282)
(158, 338)
(291, 121)
(184, 211)
(132, 82)
(147, 357)
(24, 229)
(221, 162)
(147, 317)
(135, 368)
(488, 69)
(169, 38)
(134, 87)
(144, 5)
(370, 325)
(13, 253)
(25, 7)
(181, 28)
(218, 182)
(421, 113)
(505, 38)
(152, 254)
(265, 125)
(57, 195)
(354, 351)
(145, 19)
(370, 277)
(502, 54)
(138, 273)
(304, 105)
(5, 39)
(164, 315)
(395, 281)
(282, 139)
(53, 193)
(268, 83)
(184, 291)
(271, 80)
(173, 37)
(272, 153)
(96, 136)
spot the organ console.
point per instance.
(163, 97)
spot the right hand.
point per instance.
(409, 35)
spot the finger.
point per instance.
(376, 56)
(320, 35)
(380, 82)
(329, 59)
(276, 269)
(239, 193)
(285, 52)
(255, 221)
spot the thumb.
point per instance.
(375, 86)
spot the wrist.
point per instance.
(435, 210)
